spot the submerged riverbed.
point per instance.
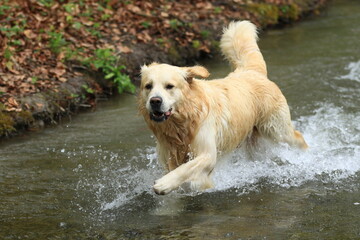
(91, 177)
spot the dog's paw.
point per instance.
(165, 185)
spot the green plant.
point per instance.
(34, 80)
(217, 10)
(104, 3)
(69, 18)
(77, 25)
(174, 23)
(74, 95)
(196, 44)
(16, 42)
(205, 33)
(105, 16)
(94, 30)
(73, 54)
(105, 60)
(46, 3)
(3, 9)
(8, 54)
(87, 13)
(11, 31)
(69, 7)
(88, 89)
(56, 42)
(146, 24)
(160, 40)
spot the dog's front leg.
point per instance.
(163, 156)
(197, 170)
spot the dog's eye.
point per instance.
(148, 86)
(169, 86)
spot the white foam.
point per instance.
(354, 71)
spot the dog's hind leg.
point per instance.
(278, 127)
(252, 143)
(299, 140)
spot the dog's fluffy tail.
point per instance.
(239, 46)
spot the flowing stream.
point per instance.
(92, 177)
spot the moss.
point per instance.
(2, 107)
(173, 52)
(289, 12)
(267, 13)
(25, 117)
(271, 14)
(6, 124)
(309, 6)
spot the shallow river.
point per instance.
(91, 177)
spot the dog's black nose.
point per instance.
(155, 102)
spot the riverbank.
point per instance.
(57, 58)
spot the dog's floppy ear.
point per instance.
(195, 71)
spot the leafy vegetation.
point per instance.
(39, 41)
(105, 60)
(56, 42)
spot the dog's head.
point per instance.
(162, 88)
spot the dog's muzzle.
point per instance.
(157, 114)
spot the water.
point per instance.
(91, 177)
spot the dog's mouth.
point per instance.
(158, 116)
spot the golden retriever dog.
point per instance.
(195, 121)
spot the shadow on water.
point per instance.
(91, 178)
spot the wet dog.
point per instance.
(195, 120)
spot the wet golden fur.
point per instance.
(210, 118)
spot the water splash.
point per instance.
(334, 155)
(115, 179)
(354, 74)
